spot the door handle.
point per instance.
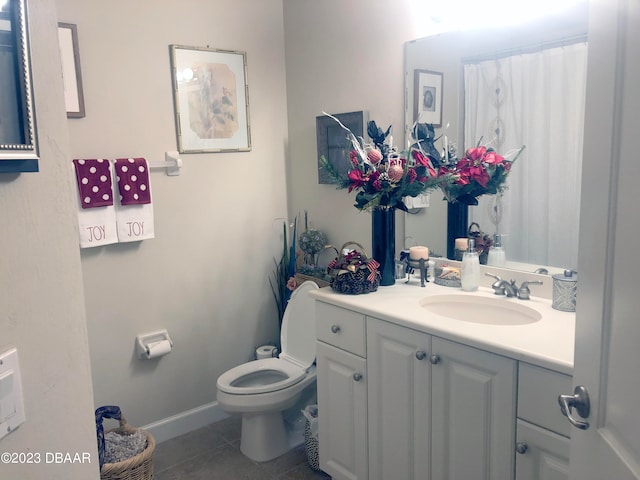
(579, 402)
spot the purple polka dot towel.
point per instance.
(133, 181)
(94, 182)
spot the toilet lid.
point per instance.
(298, 336)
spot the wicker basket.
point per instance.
(138, 467)
(356, 281)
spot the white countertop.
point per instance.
(547, 343)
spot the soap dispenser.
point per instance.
(497, 256)
(470, 274)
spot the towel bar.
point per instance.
(172, 162)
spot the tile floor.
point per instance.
(213, 452)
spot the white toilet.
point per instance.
(260, 390)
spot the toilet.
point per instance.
(262, 389)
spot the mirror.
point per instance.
(18, 144)
(447, 54)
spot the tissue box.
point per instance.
(447, 276)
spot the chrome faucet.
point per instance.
(503, 287)
(510, 289)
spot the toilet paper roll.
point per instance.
(158, 349)
(266, 351)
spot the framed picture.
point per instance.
(211, 99)
(427, 97)
(71, 73)
(333, 143)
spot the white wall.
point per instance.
(341, 57)
(41, 292)
(205, 275)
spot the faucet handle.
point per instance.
(524, 292)
(498, 286)
(493, 276)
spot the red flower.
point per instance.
(492, 158)
(476, 153)
(357, 180)
(412, 175)
(424, 161)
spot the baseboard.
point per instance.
(185, 422)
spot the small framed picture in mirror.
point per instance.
(427, 97)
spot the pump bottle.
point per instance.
(470, 274)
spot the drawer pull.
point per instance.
(357, 377)
(335, 328)
(421, 354)
(434, 359)
(522, 448)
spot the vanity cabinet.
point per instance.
(342, 392)
(437, 409)
(397, 402)
(542, 443)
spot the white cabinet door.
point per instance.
(342, 413)
(542, 454)
(398, 396)
(473, 413)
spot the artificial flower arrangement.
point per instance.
(480, 171)
(381, 175)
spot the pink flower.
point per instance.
(292, 284)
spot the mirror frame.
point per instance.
(22, 157)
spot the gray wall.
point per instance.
(41, 292)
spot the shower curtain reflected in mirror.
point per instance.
(534, 99)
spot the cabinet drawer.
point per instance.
(341, 328)
(538, 390)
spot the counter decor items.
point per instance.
(313, 243)
(353, 272)
(382, 176)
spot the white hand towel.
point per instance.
(134, 210)
(96, 213)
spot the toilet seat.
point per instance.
(298, 339)
(238, 380)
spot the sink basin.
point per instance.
(485, 310)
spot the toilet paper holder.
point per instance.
(145, 341)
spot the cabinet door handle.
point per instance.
(357, 377)
(522, 448)
(335, 328)
(434, 359)
(421, 354)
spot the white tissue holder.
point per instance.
(145, 340)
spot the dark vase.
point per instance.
(383, 241)
(457, 225)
